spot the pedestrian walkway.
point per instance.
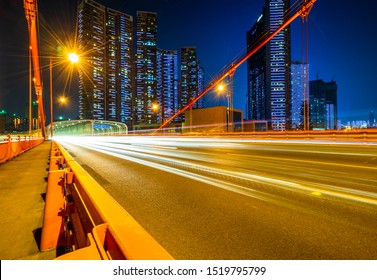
(23, 182)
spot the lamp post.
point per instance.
(156, 108)
(229, 120)
(30, 95)
(73, 58)
(51, 113)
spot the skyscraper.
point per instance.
(201, 85)
(257, 97)
(167, 88)
(323, 104)
(372, 119)
(269, 87)
(192, 76)
(146, 67)
(331, 105)
(105, 44)
(298, 84)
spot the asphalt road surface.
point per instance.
(223, 198)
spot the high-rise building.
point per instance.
(323, 104)
(269, 87)
(257, 98)
(372, 119)
(105, 44)
(299, 80)
(331, 105)
(192, 78)
(201, 85)
(119, 59)
(167, 86)
(146, 67)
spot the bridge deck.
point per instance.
(22, 188)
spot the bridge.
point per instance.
(270, 195)
(87, 127)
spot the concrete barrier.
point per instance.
(89, 223)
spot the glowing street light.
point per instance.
(73, 57)
(62, 99)
(155, 107)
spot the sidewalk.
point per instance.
(23, 182)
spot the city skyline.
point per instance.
(219, 36)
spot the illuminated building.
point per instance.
(167, 85)
(269, 87)
(192, 78)
(119, 59)
(298, 84)
(201, 101)
(146, 67)
(257, 101)
(105, 42)
(323, 105)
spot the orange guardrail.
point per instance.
(84, 220)
(12, 146)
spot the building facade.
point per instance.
(146, 67)
(269, 86)
(257, 97)
(167, 85)
(192, 77)
(323, 105)
(299, 80)
(105, 42)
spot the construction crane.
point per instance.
(31, 12)
(302, 11)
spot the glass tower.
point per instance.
(269, 87)
(323, 104)
(298, 72)
(257, 102)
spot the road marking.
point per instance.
(316, 193)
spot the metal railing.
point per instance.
(12, 146)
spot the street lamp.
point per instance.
(156, 108)
(73, 58)
(222, 88)
(62, 99)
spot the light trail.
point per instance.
(172, 155)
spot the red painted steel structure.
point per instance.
(302, 11)
(31, 12)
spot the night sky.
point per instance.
(342, 45)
